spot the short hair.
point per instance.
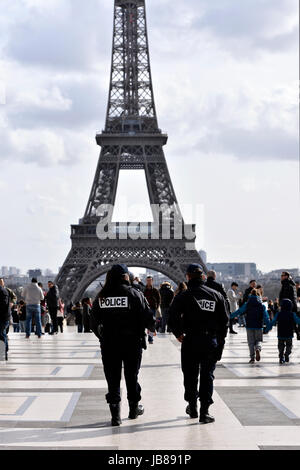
(149, 277)
(286, 273)
(254, 292)
(212, 273)
(34, 279)
(234, 284)
(253, 280)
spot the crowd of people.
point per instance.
(44, 312)
(127, 313)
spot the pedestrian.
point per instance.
(119, 316)
(47, 321)
(86, 310)
(219, 287)
(153, 297)
(4, 316)
(78, 312)
(60, 315)
(198, 319)
(52, 298)
(271, 309)
(256, 316)
(181, 287)
(288, 291)
(22, 315)
(43, 305)
(233, 299)
(33, 295)
(252, 285)
(167, 295)
(286, 321)
(15, 318)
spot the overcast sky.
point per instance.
(225, 77)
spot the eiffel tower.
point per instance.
(131, 140)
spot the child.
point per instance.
(47, 322)
(256, 316)
(286, 320)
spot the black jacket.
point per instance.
(199, 311)
(219, 288)
(4, 304)
(166, 296)
(254, 313)
(52, 297)
(123, 315)
(285, 320)
(288, 291)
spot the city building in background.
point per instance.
(234, 271)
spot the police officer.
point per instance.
(199, 321)
(119, 317)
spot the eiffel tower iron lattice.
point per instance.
(131, 140)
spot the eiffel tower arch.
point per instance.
(131, 140)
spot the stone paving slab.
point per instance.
(259, 404)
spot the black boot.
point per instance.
(115, 414)
(205, 417)
(135, 410)
(192, 410)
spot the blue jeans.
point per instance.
(3, 335)
(16, 327)
(36, 311)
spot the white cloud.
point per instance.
(225, 76)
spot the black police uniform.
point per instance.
(119, 321)
(219, 287)
(200, 314)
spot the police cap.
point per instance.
(119, 269)
(194, 268)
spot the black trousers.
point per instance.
(53, 315)
(285, 347)
(128, 353)
(198, 362)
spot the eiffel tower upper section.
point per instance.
(131, 138)
(131, 105)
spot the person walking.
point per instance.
(78, 312)
(43, 306)
(219, 287)
(167, 295)
(286, 321)
(119, 316)
(22, 315)
(86, 310)
(60, 315)
(233, 299)
(198, 319)
(33, 295)
(288, 291)
(15, 318)
(4, 316)
(153, 297)
(256, 316)
(52, 298)
(181, 287)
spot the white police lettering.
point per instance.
(114, 302)
(208, 305)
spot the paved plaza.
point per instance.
(53, 397)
